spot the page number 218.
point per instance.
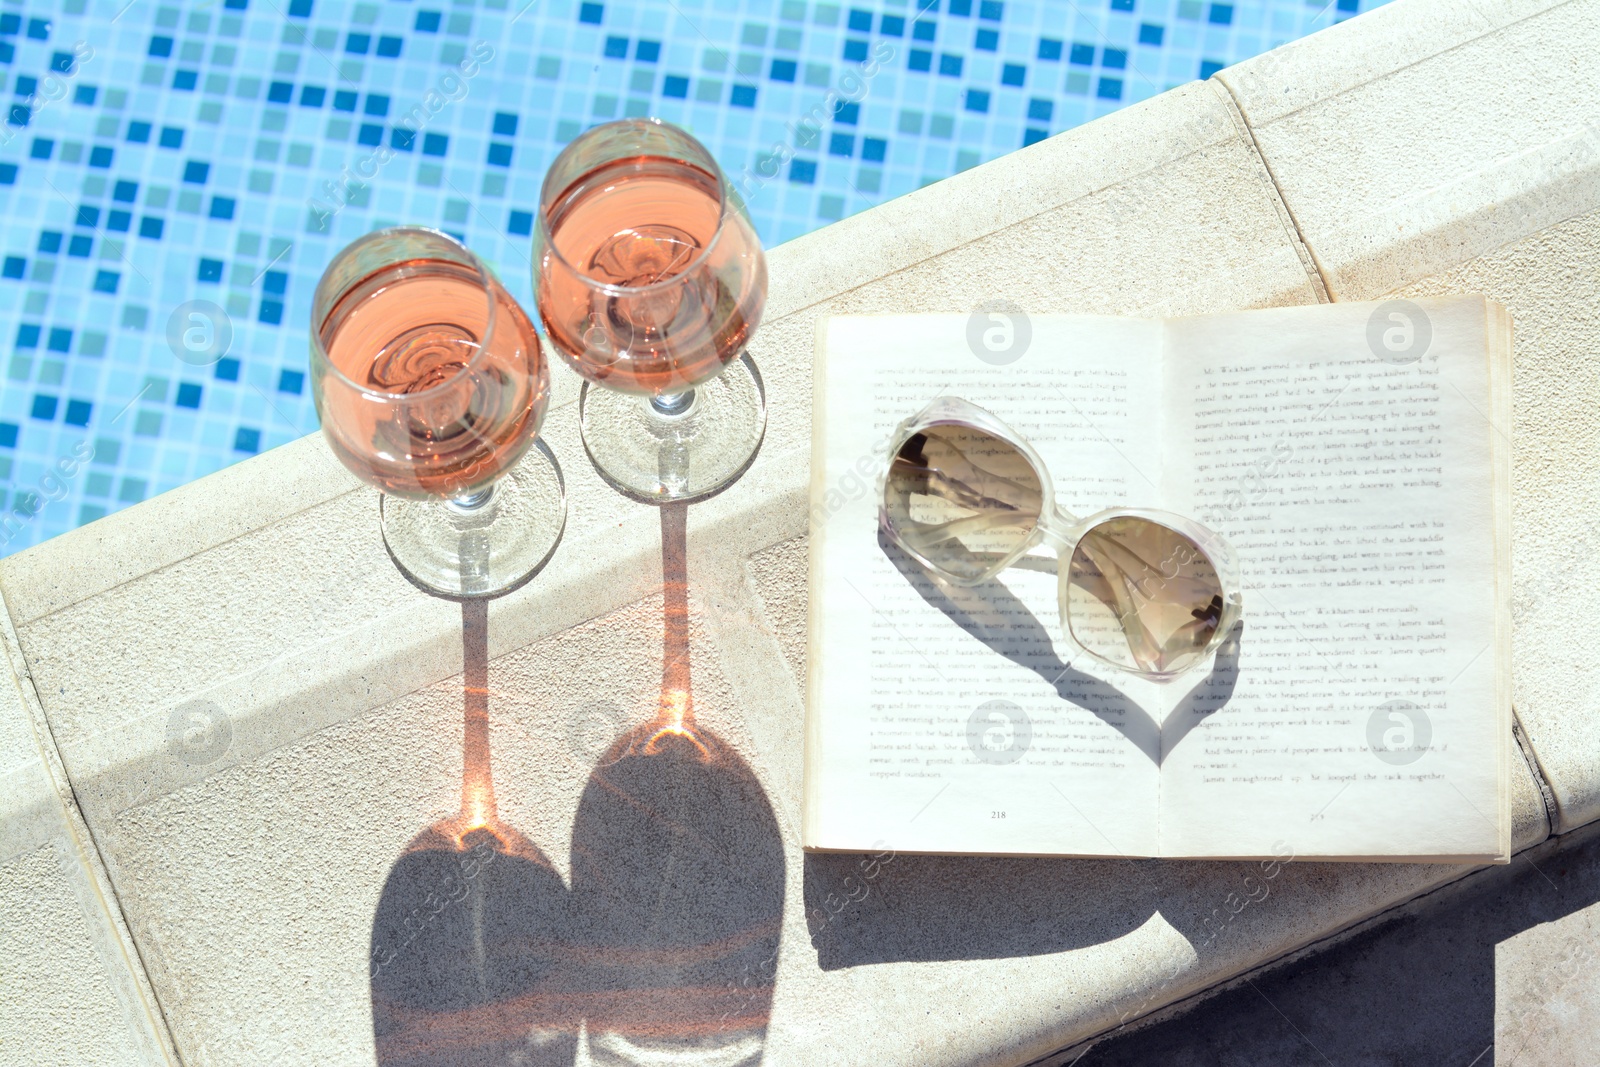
(997, 815)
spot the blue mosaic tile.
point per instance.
(153, 157)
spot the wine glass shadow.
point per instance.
(677, 883)
(677, 876)
(664, 950)
(471, 961)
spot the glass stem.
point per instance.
(669, 404)
(474, 500)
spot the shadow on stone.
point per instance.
(471, 959)
(665, 948)
(469, 964)
(886, 908)
(677, 875)
(677, 881)
(1419, 988)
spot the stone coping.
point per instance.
(228, 896)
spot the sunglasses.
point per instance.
(1145, 591)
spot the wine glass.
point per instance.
(650, 279)
(431, 386)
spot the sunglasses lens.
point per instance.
(961, 498)
(1142, 596)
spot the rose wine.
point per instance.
(445, 413)
(646, 284)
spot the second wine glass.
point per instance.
(650, 281)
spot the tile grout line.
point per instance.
(83, 839)
(1291, 224)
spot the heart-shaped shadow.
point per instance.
(471, 959)
(993, 614)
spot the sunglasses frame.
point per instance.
(1061, 530)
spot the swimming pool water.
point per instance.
(174, 177)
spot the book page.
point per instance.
(950, 719)
(1349, 452)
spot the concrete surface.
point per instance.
(71, 990)
(262, 723)
(1493, 970)
(1426, 133)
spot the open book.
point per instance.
(1358, 458)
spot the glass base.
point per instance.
(485, 545)
(681, 447)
